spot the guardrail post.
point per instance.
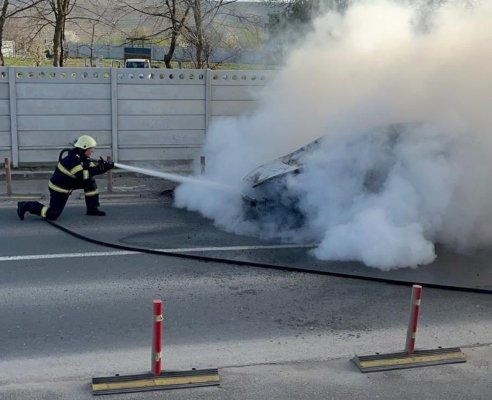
(8, 177)
(109, 177)
(202, 165)
(157, 340)
(414, 318)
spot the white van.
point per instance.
(137, 63)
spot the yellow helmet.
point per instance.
(85, 142)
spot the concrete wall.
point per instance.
(135, 115)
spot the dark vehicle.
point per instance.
(267, 193)
(268, 197)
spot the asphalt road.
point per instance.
(71, 310)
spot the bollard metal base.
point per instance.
(420, 358)
(147, 382)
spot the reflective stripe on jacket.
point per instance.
(72, 172)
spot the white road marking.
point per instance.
(124, 253)
(66, 255)
(232, 248)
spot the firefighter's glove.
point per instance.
(100, 166)
(109, 165)
(104, 166)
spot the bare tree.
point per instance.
(195, 32)
(11, 10)
(204, 14)
(199, 25)
(57, 13)
(61, 9)
(202, 26)
(234, 28)
(177, 17)
(170, 17)
(97, 20)
(54, 13)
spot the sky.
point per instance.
(353, 76)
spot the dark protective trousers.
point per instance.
(59, 200)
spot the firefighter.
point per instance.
(76, 170)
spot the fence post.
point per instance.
(13, 118)
(208, 97)
(114, 114)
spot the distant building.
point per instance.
(8, 48)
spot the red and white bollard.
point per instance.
(414, 318)
(157, 340)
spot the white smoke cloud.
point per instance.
(367, 69)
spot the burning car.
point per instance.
(269, 196)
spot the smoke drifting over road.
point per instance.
(372, 67)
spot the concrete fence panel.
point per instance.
(155, 116)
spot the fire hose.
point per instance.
(262, 265)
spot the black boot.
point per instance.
(22, 208)
(95, 212)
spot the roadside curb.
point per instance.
(26, 196)
(24, 174)
(78, 196)
(123, 186)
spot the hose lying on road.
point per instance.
(262, 265)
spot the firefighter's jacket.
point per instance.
(72, 172)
